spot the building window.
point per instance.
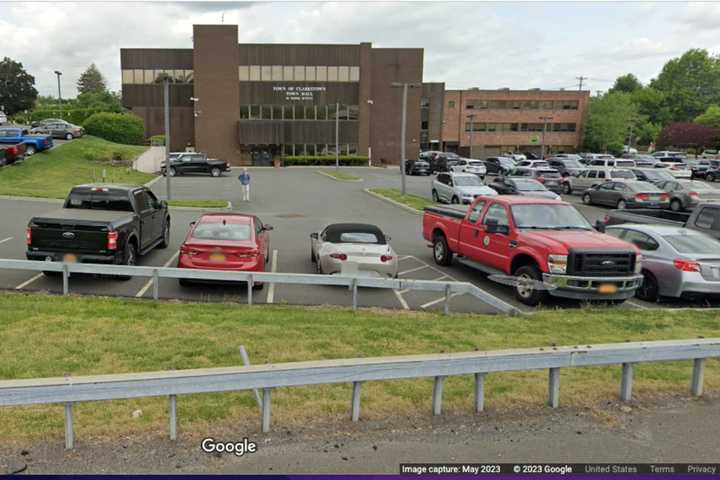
(288, 73)
(343, 74)
(244, 112)
(139, 77)
(566, 105)
(288, 150)
(310, 149)
(244, 73)
(300, 149)
(299, 112)
(299, 72)
(149, 76)
(266, 73)
(321, 73)
(321, 112)
(254, 112)
(321, 149)
(266, 112)
(332, 74)
(310, 73)
(331, 110)
(277, 112)
(254, 73)
(189, 76)
(424, 125)
(353, 112)
(277, 73)
(288, 112)
(354, 74)
(352, 149)
(424, 102)
(451, 104)
(546, 105)
(127, 77)
(563, 127)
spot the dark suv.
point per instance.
(499, 165)
(417, 167)
(442, 162)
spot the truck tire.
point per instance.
(129, 259)
(30, 150)
(649, 289)
(68, 136)
(710, 177)
(441, 252)
(567, 189)
(527, 294)
(435, 196)
(173, 172)
(215, 172)
(165, 236)
(455, 200)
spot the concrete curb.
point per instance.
(153, 181)
(203, 209)
(307, 167)
(319, 172)
(393, 202)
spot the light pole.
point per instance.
(370, 104)
(403, 128)
(58, 73)
(471, 117)
(542, 142)
(167, 136)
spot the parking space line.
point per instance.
(441, 299)
(29, 281)
(149, 282)
(401, 300)
(413, 270)
(440, 278)
(6, 239)
(271, 288)
(404, 257)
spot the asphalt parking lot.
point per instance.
(296, 202)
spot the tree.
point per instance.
(17, 87)
(627, 83)
(608, 122)
(686, 135)
(711, 117)
(91, 81)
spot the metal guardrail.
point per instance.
(449, 289)
(356, 371)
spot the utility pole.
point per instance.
(403, 129)
(542, 142)
(58, 73)
(471, 117)
(167, 137)
(337, 135)
(580, 79)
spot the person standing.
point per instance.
(245, 184)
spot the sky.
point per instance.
(488, 45)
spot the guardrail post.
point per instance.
(266, 409)
(65, 279)
(696, 386)
(356, 401)
(354, 294)
(156, 284)
(173, 417)
(69, 433)
(446, 306)
(437, 395)
(554, 387)
(246, 362)
(627, 382)
(250, 289)
(479, 392)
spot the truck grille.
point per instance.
(599, 264)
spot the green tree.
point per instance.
(608, 122)
(105, 101)
(627, 83)
(91, 80)
(17, 87)
(689, 83)
(651, 103)
(711, 117)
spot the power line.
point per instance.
(581, 78)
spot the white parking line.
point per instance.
(441, 299)
(413, 270)
(401, 300)
(6, 239)
(404, 257)
(271, 288)
(440, 278)
(149, 282)
(28, 282)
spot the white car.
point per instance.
(668, 153)
(458, 188)
(518, 157)
(533, 164)
(354, 249)
(675, 167)
(469, 165)
(595, 176)
(611, 162)
(3, 118)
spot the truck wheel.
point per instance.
(567, 189)
(649, 289)
(30, 150)
(441, 252)
(129, 259)
(68, 136)
(166, 236)
(435, 197)
(525, 292)
(215, 172)
(173, 172)
(586, 199)
(710, 177)
(455, 200)
(675, 205)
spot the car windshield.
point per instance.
(475, 163)
(546, 216)
(529, 185)
(222, 231)
(548, 173)
(467, 181)
(658, 175)
(99, 200)
(358, 237)
(571, 163)
(643, 187)
(695, 244)
(622, 174)
(624, 163)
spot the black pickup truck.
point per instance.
(705, 218)
(100, 224)
(195, 162)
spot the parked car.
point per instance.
(458, 188)
(3, 118)
(236, 242)
(417, 167)
(643, 160)
(518, 157)
(710, 154)
(668, 153)
(549, 177)
(713, 172)
(611, 163)
(499, 165)
(62, 130)
(100, 224)
(443, 162)
(552, 250)
(39, 123)
(469, 165)
(195, 162)
(652, 175)
(33, 143)
(527, 187)
(589, 157)
(595, 176)
(533, 164)
(704, 218)
(686, 194)
(626, 194)
(676, 166)
(676, 262)
(12, 153)
(566, 166)
(353, 249)
(699, 168)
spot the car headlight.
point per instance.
(557, 263)
(638, 263)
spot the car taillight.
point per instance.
(385, 258)
(185, 250)
(694, 194)
(686, 265)
(664, 197)
(541, 179)
(112, 238)
(642, 196)
(339, 256)
(28, 236)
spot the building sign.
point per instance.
(535, 139)
(293, 93)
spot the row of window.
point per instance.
(518, 104)
(298, 73)
(318, 149)
(518, 127)
(298, 112)
(150, 76)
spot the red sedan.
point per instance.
(226, 241)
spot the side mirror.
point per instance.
(268, 227)
(162, 204)
(600, 226)
(314, 236)
(193, 223)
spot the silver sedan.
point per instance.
(676, 262)
(686, 194)
(353, 249)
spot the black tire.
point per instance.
(166, 235)
(455, 200)
(312, 256)
(441, 252)
(675, 205)
(527, 295)
(30, 150)
(129, 259)
(435, 196)
(621, 205)
(567, 189)
(710, 177)
(68, 136)
(173, 172)
(649, 289)
(215, 172)
(586, 199)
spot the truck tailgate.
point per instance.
(74, 230)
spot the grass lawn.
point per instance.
(199, 203)
(50, 174)
(46, 336)
(340, 175)
(412, 201)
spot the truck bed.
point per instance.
(458, 212)
(81, 216)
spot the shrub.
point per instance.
(157, 140)
(347, 160)
(116, 127)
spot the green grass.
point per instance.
(198, 203)
(52, 173)
(412, 201)
(46, 336)
(340, 175)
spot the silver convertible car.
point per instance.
(676, 262)
(353, 249)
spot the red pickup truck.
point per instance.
(540, 246)
(12, 153)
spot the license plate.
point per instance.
(607, 288)
(70, 258)
(217, 257)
